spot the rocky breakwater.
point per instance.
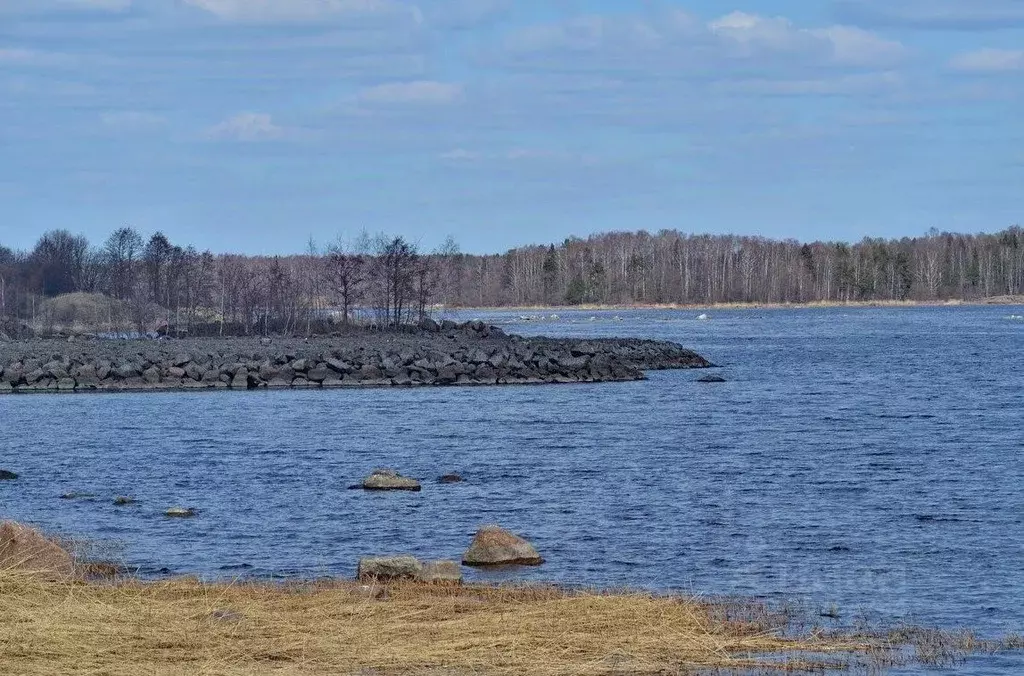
(437, 355)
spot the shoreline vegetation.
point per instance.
(176, 627)
(67, 616)
(66, 613)
(65, 284)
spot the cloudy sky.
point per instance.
(251, 125)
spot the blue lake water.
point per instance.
(871, 458)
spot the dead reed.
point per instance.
(131, 627)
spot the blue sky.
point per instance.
(251, 125)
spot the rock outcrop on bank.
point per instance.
(385, 569)
(443, 355)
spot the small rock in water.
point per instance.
(123, 500)
(389, 480)
(389, 568)
(180, 512)
(703, 318)
(712, 379)
(7, 476)
(495, 546)
(451, 479)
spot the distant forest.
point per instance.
(129, 282)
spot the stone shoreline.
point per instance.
(441, 355)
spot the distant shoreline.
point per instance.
(998, 301)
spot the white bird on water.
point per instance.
(703, 318)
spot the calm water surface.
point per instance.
(871, 458)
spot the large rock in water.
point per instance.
(7, 476)
(390, 568)
(390, 480)
(26, 549)
(495, 546)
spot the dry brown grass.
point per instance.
(128, 627)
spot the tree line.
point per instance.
(671, 267)
(133, 283)
(130, 284)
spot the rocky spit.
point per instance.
(435, 355)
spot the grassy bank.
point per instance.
(186, 627)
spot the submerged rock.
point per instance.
(495, 546)
(123, 500)
(451, 479)
(7, 476)
(77, 496)
(389, 568)
(712, 379)
(26, 549)
(181, 512)
(389, 480)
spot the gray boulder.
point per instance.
(389, 568)
(495, 546)
(389, 480)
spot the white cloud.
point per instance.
(248, 127)
(989, 61)
(421, 92)
(844, 45)
(674, 41)
(304, 10)
(857, 47)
